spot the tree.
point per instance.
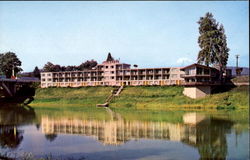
(87, 65)
(9, 62)
(36, 72)
(213, 43)
(71, 68)
(50, 67)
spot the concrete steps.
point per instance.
(116, 92)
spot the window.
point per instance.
(112, 66)
(43, 74)
(112, 77)
(199, 71)
(107, 66)
(112, 72)
(48, 74)
(49, 79)
(206, 71)
(43, 79)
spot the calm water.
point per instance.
(99, 133)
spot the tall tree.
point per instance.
(9, 62)
(213, 43)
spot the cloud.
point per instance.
(184, 61)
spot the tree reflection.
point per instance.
(11, 118)
(210, 138)
(10, 136)
(50, 137)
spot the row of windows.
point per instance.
(106, 78)
(49, 79)
(110, 66)
(202, 71)
(106, 72)
(112, 72)
(48, 74)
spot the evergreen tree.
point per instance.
(36, 72)
(213, 43)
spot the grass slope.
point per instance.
(141, 97)
(88, 96)
(171, 97)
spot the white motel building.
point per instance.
(113, 73)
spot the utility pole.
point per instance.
(238, 70)
(237, 57)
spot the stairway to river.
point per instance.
(114, 93)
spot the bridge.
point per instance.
(10, 86)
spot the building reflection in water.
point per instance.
(10, 120)
(208, 135)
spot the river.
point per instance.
(103, 133)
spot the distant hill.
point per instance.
(245, 70)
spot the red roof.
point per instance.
(197, 65)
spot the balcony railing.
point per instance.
(194, 75)
(201, 83)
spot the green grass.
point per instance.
(172, 97)
(86, 96)
(142, 97)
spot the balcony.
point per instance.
(165, 72)
(194, 75)
(158, 73)
(201, 83)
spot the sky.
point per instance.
(146, 33)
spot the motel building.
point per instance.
(113, 73)
(197, 79)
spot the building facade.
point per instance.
(198, 80)
(113, 73)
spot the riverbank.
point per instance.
(86, 96)
(172, 97)
(142, 97)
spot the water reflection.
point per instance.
(11, 118)
(206, 134)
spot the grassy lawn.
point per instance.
(171, 97)
(142, 97)
(85, 96)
